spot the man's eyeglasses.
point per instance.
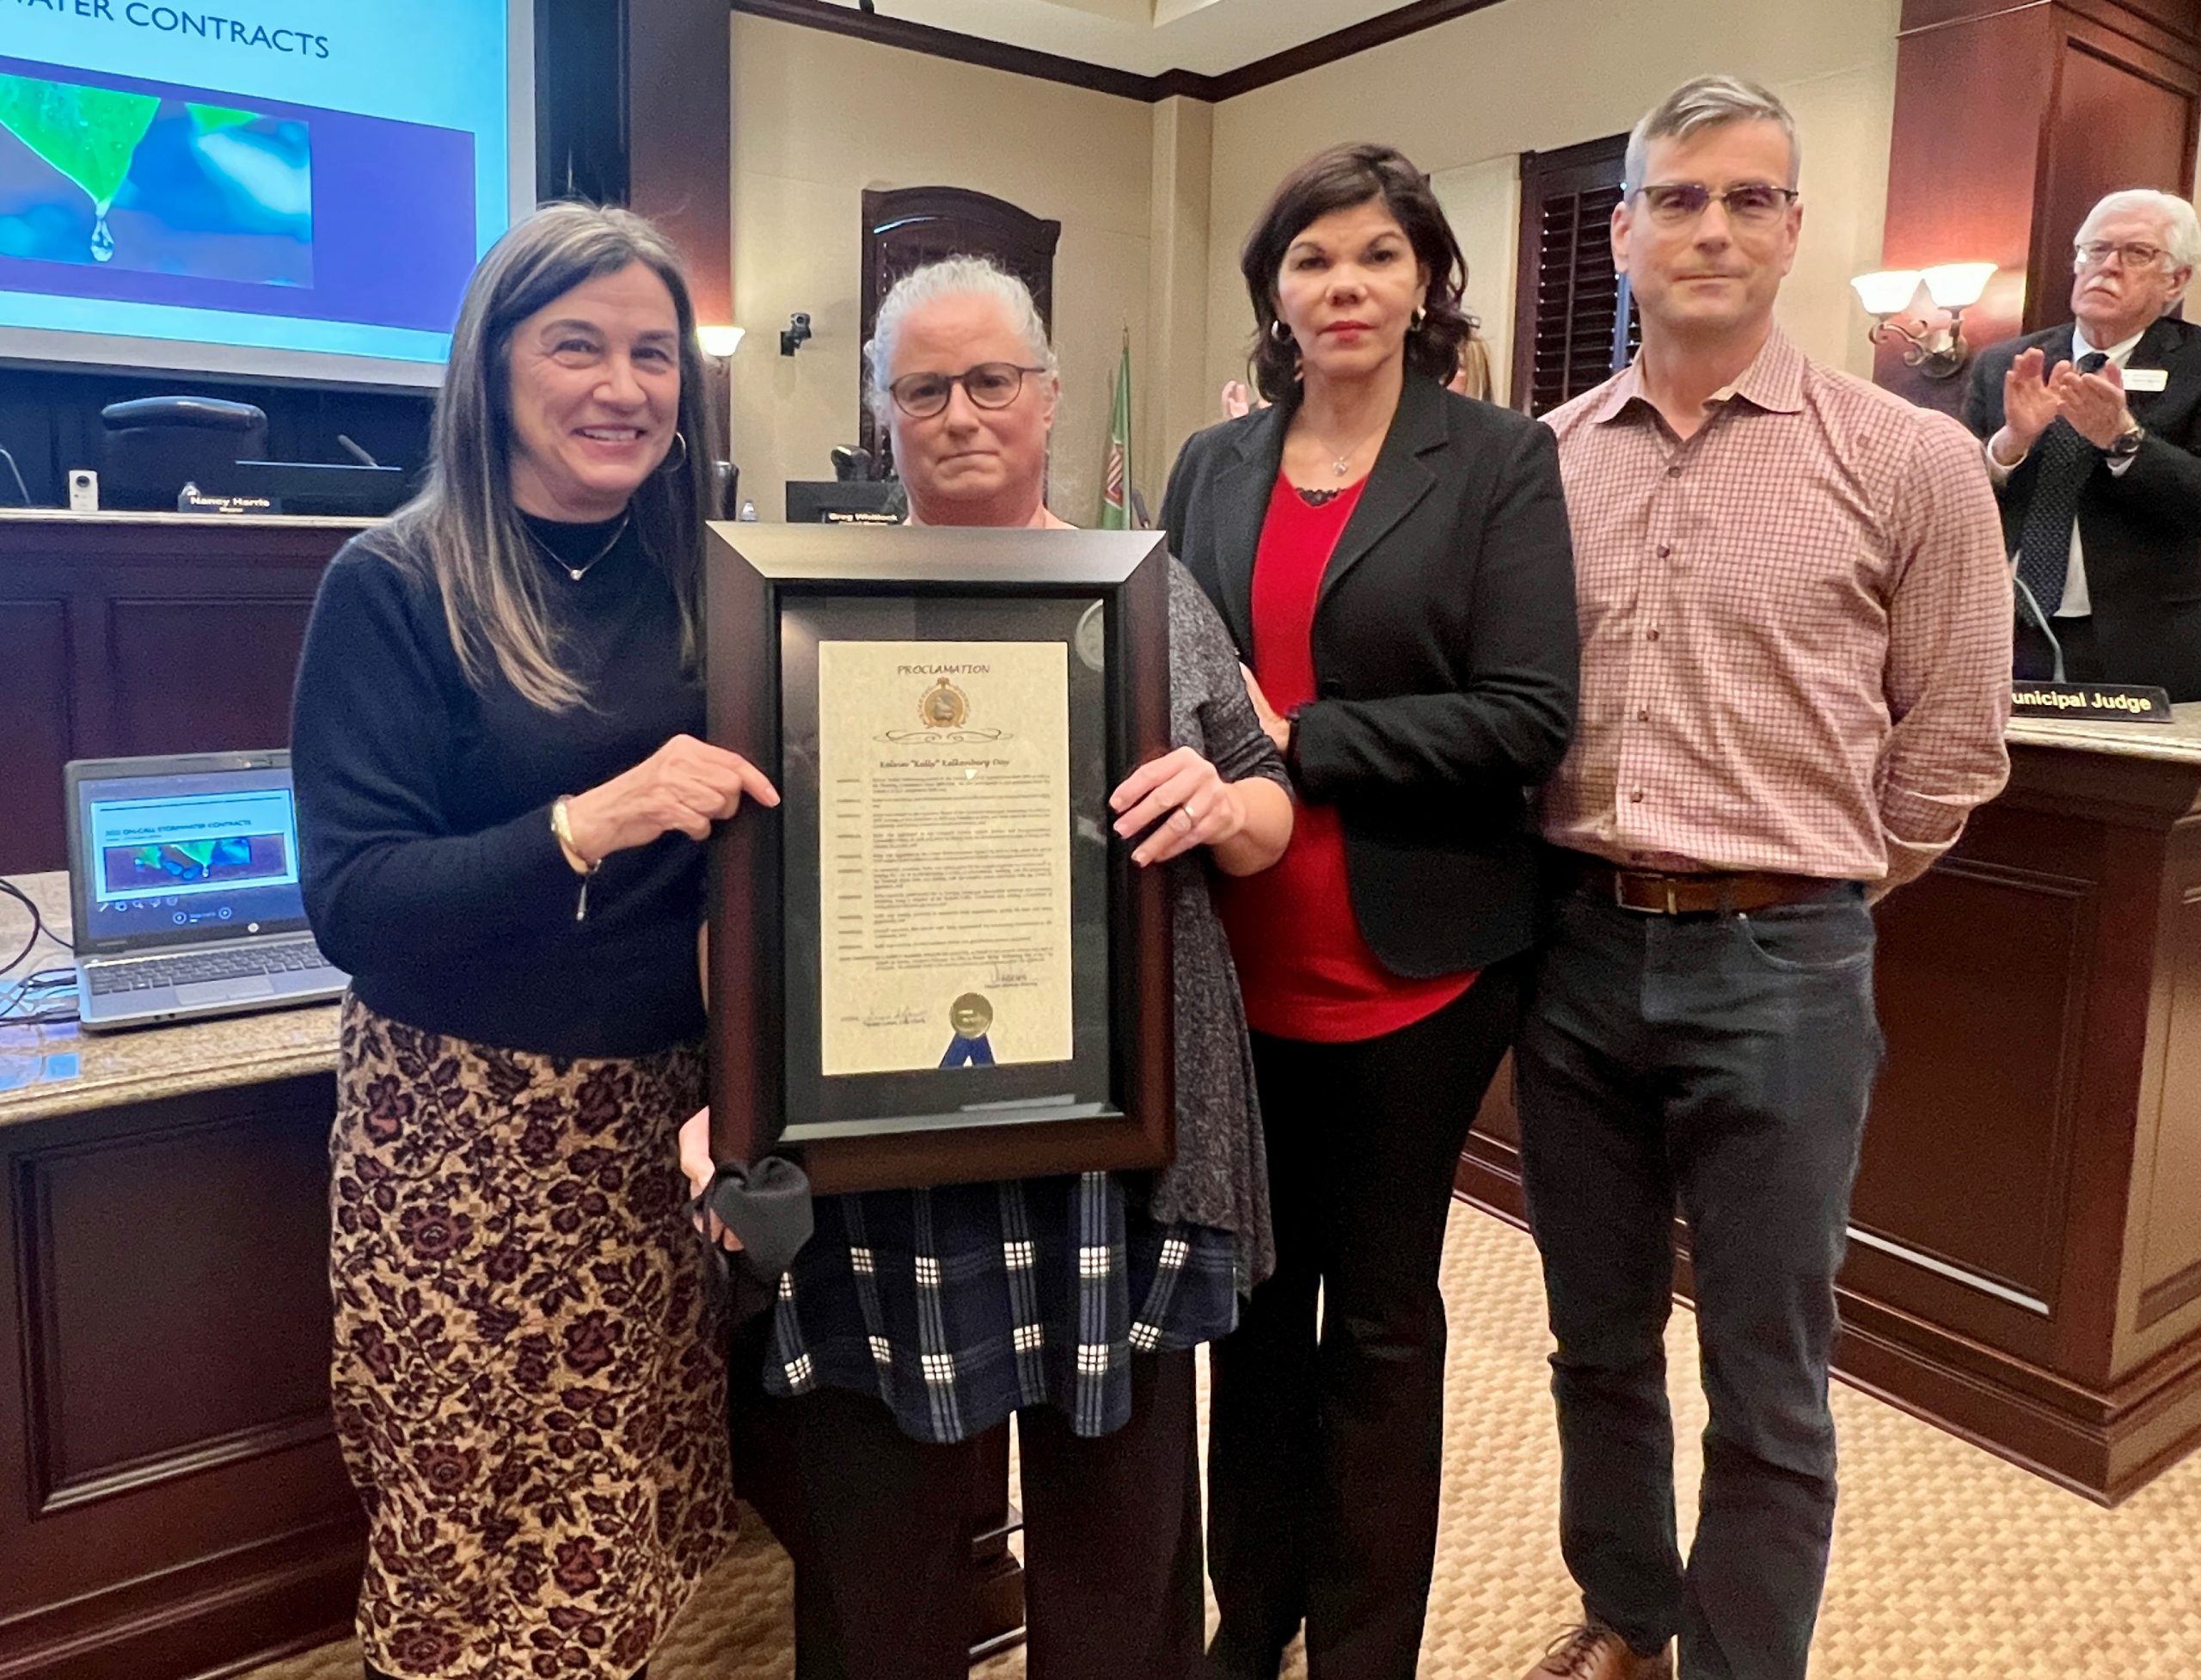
(1754, 204)
(990, 384)
(2093, 253)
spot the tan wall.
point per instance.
(817, 118)
(1537, 75)
(1155, 200)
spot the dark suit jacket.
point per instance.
(1445, 657)
(2140, 529)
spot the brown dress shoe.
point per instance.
(1595, 1652)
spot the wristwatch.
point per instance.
(2126, 443)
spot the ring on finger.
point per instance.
(1185, 815)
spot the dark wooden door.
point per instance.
(907, 227)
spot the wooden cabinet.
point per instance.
(123, 634)
(173, 1499)
(2025, 1258)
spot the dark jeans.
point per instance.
(1721, 1066)
(880, 1527)
(1324, 1454)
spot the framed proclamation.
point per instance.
(934, 962)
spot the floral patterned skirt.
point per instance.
(528, 1391)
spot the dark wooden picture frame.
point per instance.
(754, 573)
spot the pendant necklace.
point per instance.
(1342, 464)
(577, 572)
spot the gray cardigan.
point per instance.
(1220, 1175)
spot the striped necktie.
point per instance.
(2067, 461)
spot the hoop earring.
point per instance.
(1279, 333)
(669, 465)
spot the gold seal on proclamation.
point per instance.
(944, 706)
(971, 1014)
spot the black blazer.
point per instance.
(1445, 659)
(2140, 530)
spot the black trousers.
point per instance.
(880, 1527)
(1719, 1065)
(1326, 1445)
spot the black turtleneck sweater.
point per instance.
(431, 871)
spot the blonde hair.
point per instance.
(1709, 102)
(464, 524)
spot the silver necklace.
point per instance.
(577, 572)
(1342, 464)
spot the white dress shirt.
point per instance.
(2078, 604)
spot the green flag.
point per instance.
(1116, 480)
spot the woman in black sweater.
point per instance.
(500, 797)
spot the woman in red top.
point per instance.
(1392, 561)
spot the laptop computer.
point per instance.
(183, 886)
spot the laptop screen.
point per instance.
(195, 854)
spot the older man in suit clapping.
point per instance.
(2093, 432)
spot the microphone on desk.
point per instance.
(17, 473)
(2027, 598)
(356, 453)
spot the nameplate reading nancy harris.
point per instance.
(2091, 702)
(943, 855)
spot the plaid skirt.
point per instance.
(958, 1305)
(528, 1393)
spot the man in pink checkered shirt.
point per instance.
(1796, 620)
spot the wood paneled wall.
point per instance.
(123, 634)
(176, 1500)
(2010, 121)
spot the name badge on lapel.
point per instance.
(2146, 378)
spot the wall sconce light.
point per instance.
(719, 342)
(1937, 352)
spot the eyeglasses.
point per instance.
(990, 384)
(2093, 253)
(1754, 204)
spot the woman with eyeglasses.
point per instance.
(915, 1321)
(1393, 563)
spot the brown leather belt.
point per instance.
(1722, 893)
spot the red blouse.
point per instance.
(1305, 969)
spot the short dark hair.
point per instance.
(1339, 178)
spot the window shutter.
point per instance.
(1576, 325)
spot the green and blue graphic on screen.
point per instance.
(255, 186)
(101, 174)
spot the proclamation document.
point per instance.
(943, 854)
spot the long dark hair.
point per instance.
(464, 519)
(1339, 178)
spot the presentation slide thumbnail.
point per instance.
(229, 860)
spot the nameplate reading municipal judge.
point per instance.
(2091, 702)
(943, 852)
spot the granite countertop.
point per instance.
(61, 1069)
(2176, 742)
(69, 515)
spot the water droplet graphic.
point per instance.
(102, 241)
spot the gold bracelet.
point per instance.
(562, 826)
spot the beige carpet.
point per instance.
(1949, 1565)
